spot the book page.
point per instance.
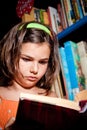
(51, 100)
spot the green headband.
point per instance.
(38, 26)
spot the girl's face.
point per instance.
(33, 63)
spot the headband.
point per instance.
(37, 26)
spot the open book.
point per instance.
(37, 112)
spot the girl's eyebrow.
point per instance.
(27, 56)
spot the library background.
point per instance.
(68, 18)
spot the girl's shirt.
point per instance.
(8, 109)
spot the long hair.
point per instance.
(10, 47)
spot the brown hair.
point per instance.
(10, 47)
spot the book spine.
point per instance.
(78, 68)
(52, 18)
(85, 5)
(64, 14)
(57, 87)
(71, 12)
(75, 8)
(62, 78)
(80, 9)
(69, 46)
(66, 73)
(82, 49)
(37, 14)
(60, 86)
(59, 10)
(45, 18)
(55, 21)
(41, 15)
(79, 72)
(68, 10)
(58, 21)
(83, 8)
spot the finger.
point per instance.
(10, 122)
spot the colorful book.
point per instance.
(75, 8)
(33, 16)
(54, 19)
(82, 49)
(37, 14)
(69, 12)
(80, 9)
(57, 87)
(74, 67)
(59, 10)
(60, 86)
(44, 17)
(62, 78)
(29, 17)
(64, 17)
(68, 86)
(84, 6)
(48, 113)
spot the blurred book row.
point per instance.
(73, 63)
(66, 13)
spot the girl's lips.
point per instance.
(31, 78)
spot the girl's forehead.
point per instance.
(30, 45)
(35, 49)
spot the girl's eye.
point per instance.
(43, 62)
(25, 59)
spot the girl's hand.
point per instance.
(9, 123)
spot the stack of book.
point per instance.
(72, 69)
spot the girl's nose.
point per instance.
(34, 68)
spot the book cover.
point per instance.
(82, 49)
(64, 17)
(62, 77)
(84, 6)
(68, 86)
(69, 12)
(28, 17)
(37, 14)
(60, 86)
(47, 113)
(44, 16)
(60, 12)
(55, 88)
(54, 19)
(80, 9)
(33, 16)
(74, 66)
(75, 8)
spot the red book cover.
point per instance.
(37, 115)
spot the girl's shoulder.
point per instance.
(3, 92)
(52, 94)
(49, 93)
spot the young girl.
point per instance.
(28, 63)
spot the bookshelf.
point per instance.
(75, 32)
